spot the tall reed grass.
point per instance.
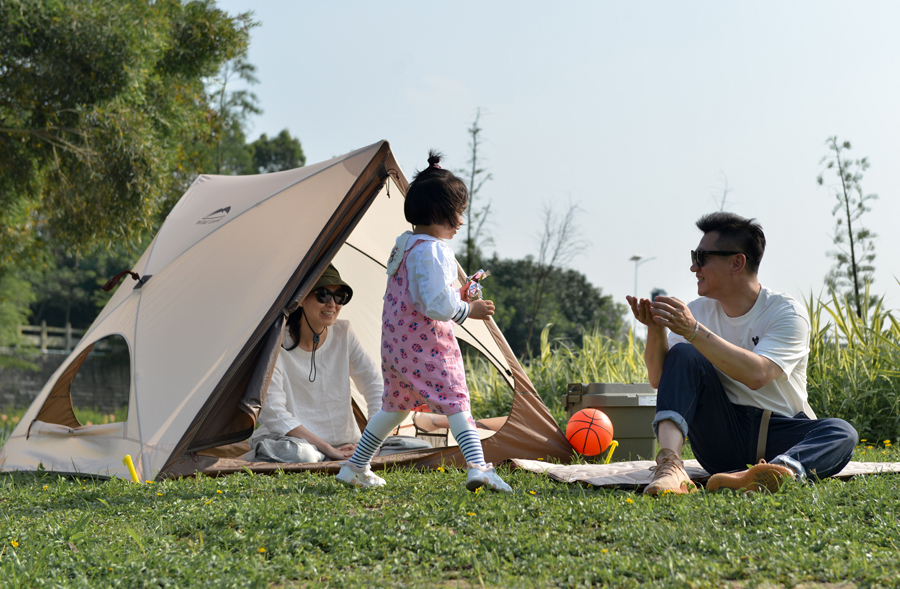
(853, 371)
(854, 365)
(599, 359)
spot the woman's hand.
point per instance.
(481, 309)
(339, 453)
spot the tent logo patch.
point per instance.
(215, 216)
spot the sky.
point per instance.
(639, 113)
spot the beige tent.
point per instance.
(205, 321)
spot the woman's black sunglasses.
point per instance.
(340, 296)
(697, 256)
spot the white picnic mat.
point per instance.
(638, 473)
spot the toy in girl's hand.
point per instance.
(473, 284)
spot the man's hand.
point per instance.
(674, 314)
(643, 312)
(481, 309)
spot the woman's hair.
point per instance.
(293, 327)
(436, 196)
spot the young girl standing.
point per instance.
(420, 357)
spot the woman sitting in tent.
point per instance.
(307, 414)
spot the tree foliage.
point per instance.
(282, 152)
(15, 296)
(98, 101)
(570, 302)
(853, 269)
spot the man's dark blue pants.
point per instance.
(724, 436)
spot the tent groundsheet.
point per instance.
(638, 473)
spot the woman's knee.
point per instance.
(306, 452)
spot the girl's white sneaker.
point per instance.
(358, 477)
(485, 476)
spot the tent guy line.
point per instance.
(463, 327)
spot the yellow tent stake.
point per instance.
(127, 462)
(612, 448)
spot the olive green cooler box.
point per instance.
(631, 409)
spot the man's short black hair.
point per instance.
(736, 234)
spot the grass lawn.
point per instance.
(425, 530)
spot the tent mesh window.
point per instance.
(94, 388)
(100, 389)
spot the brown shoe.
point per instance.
(669, 475)
(761, 477)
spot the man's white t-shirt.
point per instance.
(777, 328)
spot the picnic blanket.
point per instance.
(638, 474)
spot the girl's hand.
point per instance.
(464, 292)
(481, 309)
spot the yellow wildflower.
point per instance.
(629, 500)
(159, 494)
(262, 550)
(532, 492)
(208, 502)
(46, 487)
(440, 469)
(218, 490)
(869, 447)
(605, 550)
(14, 544)
(470, 513)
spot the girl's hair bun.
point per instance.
(434, 158)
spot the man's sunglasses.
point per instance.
(340, 296)
(698, 255)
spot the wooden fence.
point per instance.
(52, 338)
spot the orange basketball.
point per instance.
(589, 431)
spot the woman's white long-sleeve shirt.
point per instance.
(322, 406)
(432, 268)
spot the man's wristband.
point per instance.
(693, 335)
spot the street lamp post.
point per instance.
(638, 259)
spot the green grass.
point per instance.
(424, 530)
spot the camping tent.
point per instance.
(205, 318)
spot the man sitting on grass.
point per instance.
(731, 374)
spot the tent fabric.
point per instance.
(206, 321)
(638, 473)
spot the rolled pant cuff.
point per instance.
(672, 416)
(792, 464)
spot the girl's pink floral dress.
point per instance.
(420, 357)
